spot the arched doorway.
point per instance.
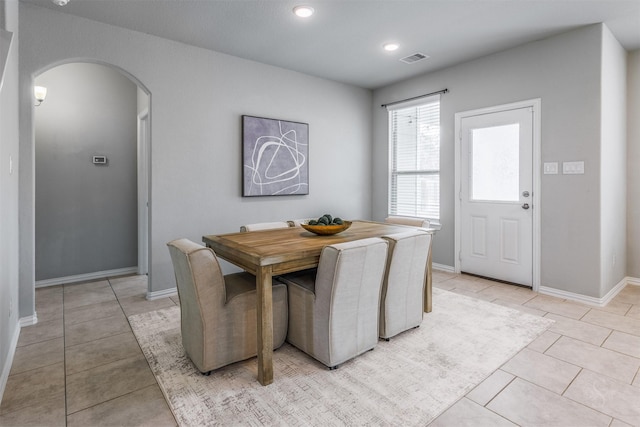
(91, 174)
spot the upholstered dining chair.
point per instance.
(401, 301)
(333, 310)
(297, 222)
(218, 313)
(265, 226)
(408, 220)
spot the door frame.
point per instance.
(143, 129)
(535, 105)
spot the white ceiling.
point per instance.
(343, 40)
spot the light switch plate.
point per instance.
(572, 168)
(550, 168)
(100, 160)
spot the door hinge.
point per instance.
(460, 256)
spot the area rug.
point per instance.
(409, 380)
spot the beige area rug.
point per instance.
(407, 381)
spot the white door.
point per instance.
(496, 156)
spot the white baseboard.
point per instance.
(443, 267)
(162, 294)
(6, 369)
(598, 302)
(29, 320)
(633, 281)
(86, 277)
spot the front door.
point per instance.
(496, 155)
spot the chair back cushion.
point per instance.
(265, 226)
(408, 220)
(347, 288)
(201, 290)
(297, 222)
(401, 305)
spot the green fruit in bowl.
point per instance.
(326, 219)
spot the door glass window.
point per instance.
(495, 171)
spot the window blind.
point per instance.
(415, 158)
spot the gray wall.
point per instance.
(197, 98)
(565, 72)
(86, 215)
(613, 164)
(9, 291)
(633, 160)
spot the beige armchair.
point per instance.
(401, 302)
(408, 220)
(218, 313)
(333, 310)
(264, 226)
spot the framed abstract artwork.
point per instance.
(275, 157)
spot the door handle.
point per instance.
(525, 206)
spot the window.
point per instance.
(414, 141)
(495, 163)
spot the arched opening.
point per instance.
(92, 139)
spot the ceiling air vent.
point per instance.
(414, 58)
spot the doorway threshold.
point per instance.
(506, 282)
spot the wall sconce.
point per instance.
(40, 93)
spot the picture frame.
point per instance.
(275, 157)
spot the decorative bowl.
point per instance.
(326, 230)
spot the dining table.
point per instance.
(268, 253)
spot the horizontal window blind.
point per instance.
(415, 159)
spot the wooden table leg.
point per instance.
(428, 288)
(265, 325)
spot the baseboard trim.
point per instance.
(633, 281)
(162, 294)
(86, 277)
(585, 299)
(443, 267)
(6, 369)
(29, 320)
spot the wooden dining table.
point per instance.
(267, 253)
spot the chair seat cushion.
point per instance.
(239, 283)
(306, 279)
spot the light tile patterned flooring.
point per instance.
(81, 365)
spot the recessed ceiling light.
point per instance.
(390, 47)
(303, 11)
(60, 2)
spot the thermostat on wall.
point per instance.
(99, 160)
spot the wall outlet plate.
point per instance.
(100, 160)
(550, 168)
(572, 168)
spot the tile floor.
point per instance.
(583, 371)
(81, 365)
